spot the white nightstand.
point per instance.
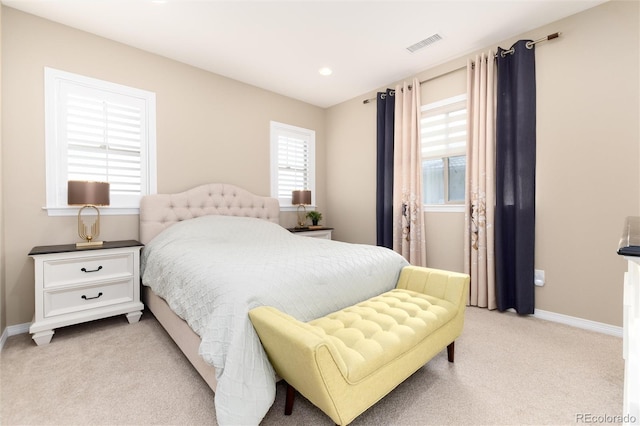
(321, 232)
(74, 285)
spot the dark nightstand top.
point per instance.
(307, 229)
(629, 244)
(63, 248)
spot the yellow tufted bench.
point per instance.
(348, 360)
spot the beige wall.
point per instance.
(209, 129)
(588, 147)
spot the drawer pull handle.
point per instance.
(93, 270)
(89, 298)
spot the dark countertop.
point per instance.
(630, 240)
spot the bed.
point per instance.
(216, 251)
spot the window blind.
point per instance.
(444, 130)
(292, 161)
(293, 164)
(104, 141)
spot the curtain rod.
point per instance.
(529, 45)
(366, 101)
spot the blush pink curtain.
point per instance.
(480, 180)
(408, 216)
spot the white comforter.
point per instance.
(212, 270)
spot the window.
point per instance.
(292, 162)
(444, 140)
(100, 131)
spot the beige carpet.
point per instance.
(509, 370)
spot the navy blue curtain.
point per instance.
(515, 178)
(384, 174)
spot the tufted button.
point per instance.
(374, 332)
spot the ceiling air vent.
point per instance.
(424, 43)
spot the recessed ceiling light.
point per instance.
(325, 71)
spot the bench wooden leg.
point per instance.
(288, 405)
(450, 350)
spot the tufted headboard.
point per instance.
(158, 212)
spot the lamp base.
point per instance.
(95, 229)
(86, 244)
(302, 216)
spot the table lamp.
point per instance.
(89, 195)
(301, 198)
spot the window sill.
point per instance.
(443, 208)
(291, 208)
(104, 211)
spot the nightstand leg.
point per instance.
(134, 317)
(42, 337)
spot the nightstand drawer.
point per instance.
(85, 269)
(64, 301)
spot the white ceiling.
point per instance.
(281, 45)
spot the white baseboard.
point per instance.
(586, 324)
(12, 330)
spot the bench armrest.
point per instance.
(299, 354)
(286, 339)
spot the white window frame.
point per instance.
(445, 105)
(55, 82)
(278, 130)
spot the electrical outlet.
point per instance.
(538, 277)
